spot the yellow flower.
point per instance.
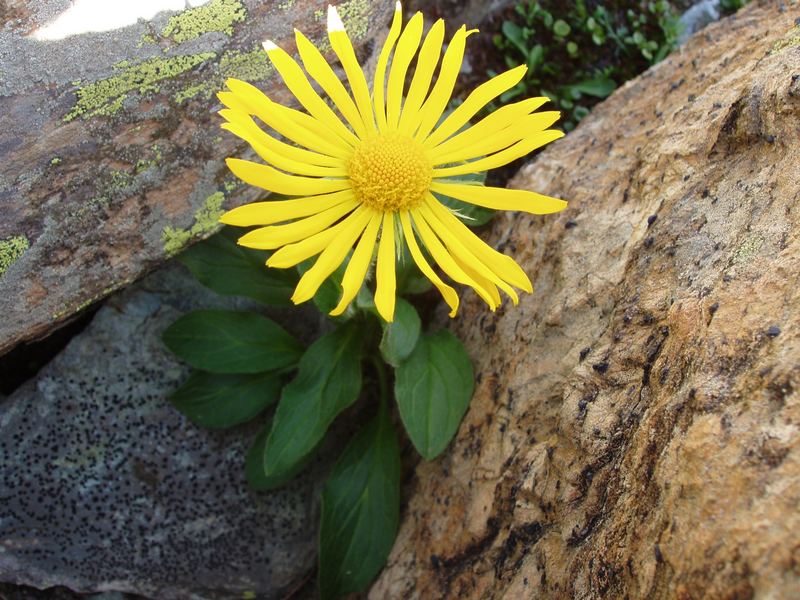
(370, 179)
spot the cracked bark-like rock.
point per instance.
(634, 431)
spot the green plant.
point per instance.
(577, 53)
(729, 7)
(244, 363)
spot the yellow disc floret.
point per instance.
(390, 172)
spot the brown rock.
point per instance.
(112, 157)
(635, 427)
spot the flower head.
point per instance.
(367, 176)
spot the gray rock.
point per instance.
(112, 156)
(106, 487)
(698, 16)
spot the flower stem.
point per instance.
(383, 384)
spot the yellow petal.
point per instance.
(478, 98)
(528, 127)
(275, 236)
(464, 256)
(292, 124)
(270, 150)
(293, 254)
(505, 266)
(270, 179)
(330, 259)
(442, 90)
(321, 71)
(276, 211)
(427, 59)
(498, 159)
(385, 284)
(449, 294)
(298, 84)
(496, 121)
(490, 142)
(445, 261)
(484, 283)
(343, 47)
(243, 120)
(233, 102)
(359, 263)
(500, 198)
(406, 49)
(379, 80)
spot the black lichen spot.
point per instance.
(584, 353)
(601, 367)
(651, 219)
(570, 224)
(773, 331)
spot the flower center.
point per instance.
(390, 172)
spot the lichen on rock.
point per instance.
(105, 97)
(217, 15)
(11, 249)
(206, 220)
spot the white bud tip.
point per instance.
(334, 20)
(269, 45)
(398, 7)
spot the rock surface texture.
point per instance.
(635, 431)
(106, 487)
(112, 156)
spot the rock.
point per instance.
(698, 16)
(107, 488)
(634, 431)
(112, 153)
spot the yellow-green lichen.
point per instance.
(144, 164)
(749, 248)
(791, 39)
(105, 97)
(191, 92)
(206, 220)
(147, 38)
(11, 249)
(286, 4)
(55, 161)
(217, 15)
(355, 16)
(247, 66)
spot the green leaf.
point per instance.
(433, 389)
(599, 87)
(224, 341)
(401, 335)
(254, 466)
(572, 49)
(360, 511)
(561, 28)
(232, 270)
(535, 57)
(328, 381)
(469, 214)
(513, 33)
(328, 294)
(218, 400)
